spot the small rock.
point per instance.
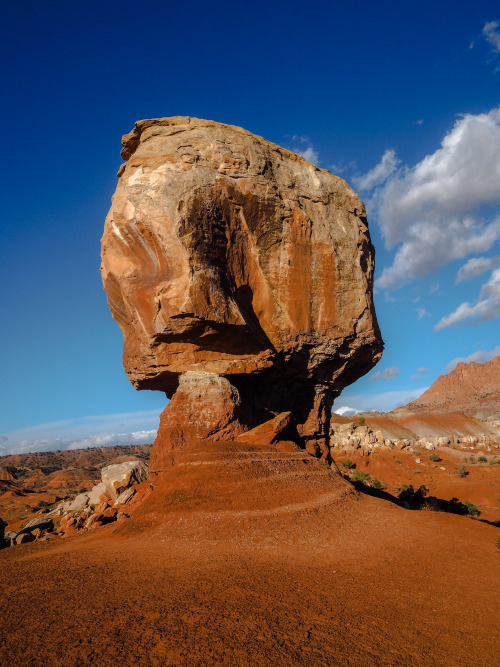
(125, 496)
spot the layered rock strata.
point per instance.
(241, 277)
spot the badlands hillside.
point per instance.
(472, 388)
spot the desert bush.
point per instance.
(348, 464)
(472, 510)
(472, 460)
(435, 457)
(377, 484)
(359, 476)
(43, 503)
(462, 471)
(415, 499)
(398, 462)
(361, 421)
(482, 459)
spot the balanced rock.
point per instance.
(224, 254)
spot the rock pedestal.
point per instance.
(224, 254)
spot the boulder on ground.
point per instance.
(125, 496)
(226, 254)
(41, 522)
(98, 494)
(269, 432)
(120, 476)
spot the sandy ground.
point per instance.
(256, 558)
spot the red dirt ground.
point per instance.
(251, 556)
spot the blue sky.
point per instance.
(399, 99)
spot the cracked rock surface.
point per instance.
(226, 254)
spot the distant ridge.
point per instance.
(473, 389)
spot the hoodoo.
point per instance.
(241, 277)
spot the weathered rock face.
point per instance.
(472, 388)
(226, 254)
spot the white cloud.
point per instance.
(379, 174)
(101, 440)
(480, 357)
(310, 155)
(475, 266)
(421, 371)
(486, 308)
(304, 147)
(345, 410)
(422, 313)
(434, 211)
(89, 431)
(388, 374)
(382, 401)
(491, 32)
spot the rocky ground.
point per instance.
(37, 482)
(247, 555)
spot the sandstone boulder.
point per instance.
(228, 255)
(269, 432)
(98, 494)
(120, 476)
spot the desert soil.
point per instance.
(256, 558)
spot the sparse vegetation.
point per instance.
(435, 457)
(462, 471)
(359, 477)
(472, 460)
(482, 459)
(377, 484)
(361, 421)
(398, 462)
(414, 499)
(348, 464)
(472, 510)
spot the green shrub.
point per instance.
(398, 462)
(472, 510)
(482, 459)
(359, 476)
(361, 421)
(462, 471)
(435, 457)
(348, 464)
(377, 484)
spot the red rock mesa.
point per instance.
(241, 277)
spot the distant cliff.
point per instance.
(473, 389)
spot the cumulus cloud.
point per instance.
(491, 32)
(388, 374)
(480, 357)
(443, 208)
(486, 308)
(382, 401)
(345, 410)
(475, 266)
(380, 173)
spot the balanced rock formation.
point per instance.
(241, 277)
(471, 388)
